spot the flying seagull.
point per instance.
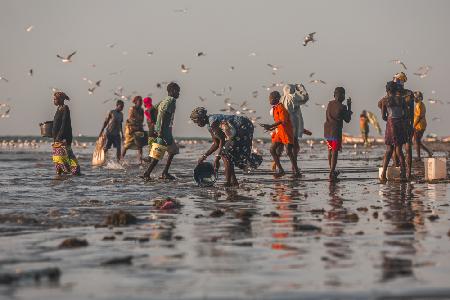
(311, 74)
(4, 110)
(150, 53)
(91, 90)
(317, 81)
(30, 72)
(201, 54)
(309, 38)
(273, 67)
(66, 59)
(423, 71)
(231, 68)
(4, 79)
(202, 98)
(180, 10)
(112, 45)
(184, 69)
(399, 62)
(29, 28)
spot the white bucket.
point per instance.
(435, 168)
(391, 173)
(157, 151)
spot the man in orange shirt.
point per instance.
(282, 134)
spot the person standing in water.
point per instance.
(408, 98)
(294, 96)
(133, 126)
(394, 112)
(336, 114)
(114, 132)
(420, 124)
(163, 129)
(63, 157)
(282, 135)
(232, 137)
(364, 127)
(151, 113)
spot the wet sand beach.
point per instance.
(282, 239)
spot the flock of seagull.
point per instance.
(229, 106)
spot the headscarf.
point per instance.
(61, 95)
(198, 114)
(148, 105)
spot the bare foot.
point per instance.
(274, 166)
(279, 174)
(167, 176)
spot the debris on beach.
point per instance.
(73, 243)
(120, 218)
(433, 218)
(166, 203)
(272, 214)
(52, 274)
(216, 213)
(306, 227)
(109, 238)
(125, 260)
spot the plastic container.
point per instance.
(435, 168)
(157, 151)
(141, 138)
(46, 129)
(391, 173)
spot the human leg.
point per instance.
(386, 160)
(274, 150)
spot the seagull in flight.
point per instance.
(66, 59)
(309, 39)
(312, 74)
(423, 71)
(399, 62)
(184, 69)
(317, 81)
(273, 67)
(201, 54)
(4, 79)
(30, 72)
(202, 98)
(29, 28)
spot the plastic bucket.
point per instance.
(46, 129)
(157, 151)
(204, 174)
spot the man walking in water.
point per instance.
(408, 98)
(163, 129)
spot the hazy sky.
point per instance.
(355, 42)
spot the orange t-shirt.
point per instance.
(284, 133)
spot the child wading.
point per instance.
(336, 114)
(114, 132)
(163, 129)
(282, 135)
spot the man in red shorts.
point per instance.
(336, 114)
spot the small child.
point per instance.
(282, 134)
(336, 114)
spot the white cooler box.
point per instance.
(435, 168)
(391, 173)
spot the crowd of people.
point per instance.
(232, 135)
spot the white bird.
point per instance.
(66, 59)
(273, 67)
(201, 54)
(202, 98)
(311, 74)
(435, 101)
(399, 62)
(4, 79)
(437, 119)
(252, 54)
(91, 90)
(231, 68)
(184, 69)
(4, 110)
(309, 39)
(320, 104)
(112, 45)
(423, 71)
(150, 53)
(317, 81)
(180, 10)
(218, 94)
(29, 28)
(30, 72)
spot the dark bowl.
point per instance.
(204, 174)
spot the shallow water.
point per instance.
(373, 240)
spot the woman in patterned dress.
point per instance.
(232, 136)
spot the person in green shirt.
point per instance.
(163, 129)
